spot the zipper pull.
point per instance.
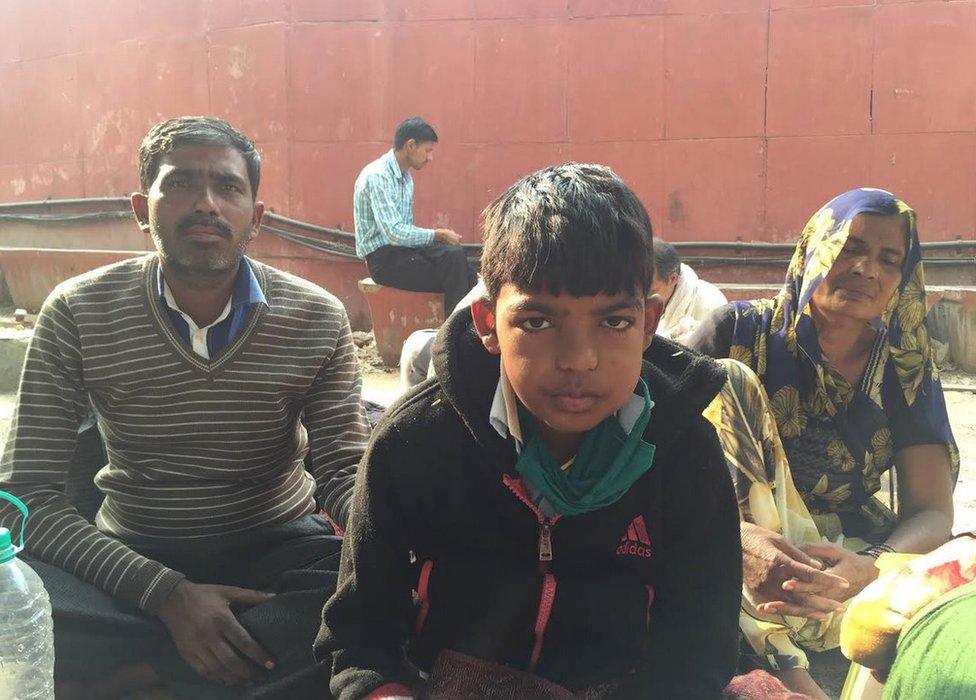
(545, 543)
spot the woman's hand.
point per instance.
(858, 570)
(769, 563)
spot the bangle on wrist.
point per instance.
(876, 550)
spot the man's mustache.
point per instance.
(191, 220)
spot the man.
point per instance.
(397, 253)
(688, 299)
(215, 380)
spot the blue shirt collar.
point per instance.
(394, 166)
(247, 289)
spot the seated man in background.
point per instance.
(688, 300)
(212, 377)
(398, 253)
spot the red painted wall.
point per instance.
(731, 118)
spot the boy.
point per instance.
(558, 506)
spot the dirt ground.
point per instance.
(962, 417)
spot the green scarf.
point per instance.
(608, 462)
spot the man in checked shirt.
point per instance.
(398, 253)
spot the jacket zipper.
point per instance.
(545, 523)
(423, 594)
(548, 595)
(650, 604)
(546, 600)
(545, 542)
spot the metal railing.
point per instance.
(342, 243)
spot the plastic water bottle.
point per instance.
(26, 628)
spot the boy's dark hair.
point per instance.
(575, 228)
(667, 262)
(169, 134)
(413, 128)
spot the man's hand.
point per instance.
(209, 637)
(769, 562)
(446, 236)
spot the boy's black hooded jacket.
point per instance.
(445, 552)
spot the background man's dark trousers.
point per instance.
(432, 268)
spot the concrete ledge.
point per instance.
(735, 291)
(13, 347)
(31, 273)
(397, 313)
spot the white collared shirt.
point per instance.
(504, 417)
(198, 336)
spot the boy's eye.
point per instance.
(536, 323)
(618, 323)
(231, 187)
(177, 182)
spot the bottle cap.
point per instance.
(7, 549)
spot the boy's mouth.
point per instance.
(575, 401)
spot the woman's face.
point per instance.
(866, 273)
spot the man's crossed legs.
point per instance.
(98, 637)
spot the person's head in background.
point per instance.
(198, 179)
(667, 269)
(568, 266)
(413, 143)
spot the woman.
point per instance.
(843, 357)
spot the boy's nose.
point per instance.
(576, 354)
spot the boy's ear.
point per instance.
(483, 316)
(653, 308)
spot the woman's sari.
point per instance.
(838, 436)
(806, 448)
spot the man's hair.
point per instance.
(575, 228)
(413, 128)
(667, 262)
(210, 131)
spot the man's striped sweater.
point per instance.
(199, 451)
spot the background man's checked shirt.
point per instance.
(383, 208)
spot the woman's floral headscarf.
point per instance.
(778, 339)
